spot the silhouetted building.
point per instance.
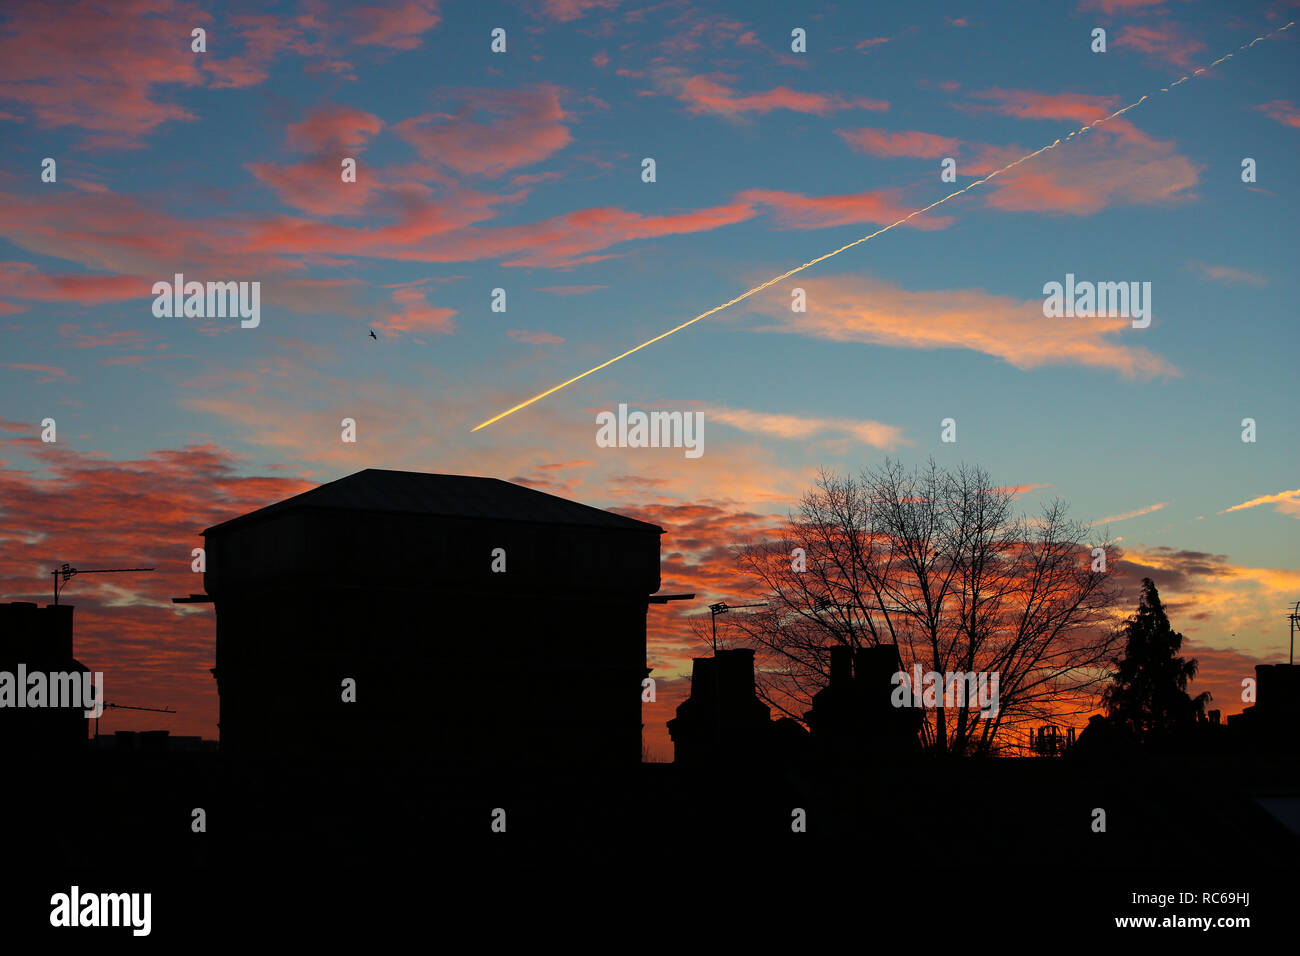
(723, 719)
(1270, 723)
(483, 623)
(35, 640)
(854, 716)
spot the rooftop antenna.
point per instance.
(67, 571)
(156, 710)
(722, 608)
(1294, 618)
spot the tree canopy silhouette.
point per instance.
(936, 561)
(1147, 695)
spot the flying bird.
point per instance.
(373, 336)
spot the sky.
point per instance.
(523, 171)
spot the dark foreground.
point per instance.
(926, 851)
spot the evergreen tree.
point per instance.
(1148, 695)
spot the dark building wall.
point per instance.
(41, 639)
(542, 663)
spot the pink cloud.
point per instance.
(565, 10)
(1114, 162)
(1119, 6)
(492, 132)
(571, 289)
(1167, 43)
(713, 94)
(333, 128)
(534, 338)
(879, 142)
(106, 68)
(330, 135)
(1284, 111)
(797, 211)
(52, 373)
(316, 186)
(416, 314)
(22, 280)
(98, 67)
(92, 340)
(397, 25)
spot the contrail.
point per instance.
(912, 215)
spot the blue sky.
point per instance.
(522, 171)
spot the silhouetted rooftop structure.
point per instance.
(723, 719)
(853, 716)
(483, 622)
(448, 496)
(1270, 723)
(39, 639)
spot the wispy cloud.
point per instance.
(1286, 501)
(716, 93)
(1136, 513)
(852, 308)
(1284, 111)
(875, 434)
(1227, 274)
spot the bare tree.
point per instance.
(936, 562)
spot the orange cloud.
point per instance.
(1136, 513)
(873, 434)
(1285, 500)
(857, 309)
(1217, 601)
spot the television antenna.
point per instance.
(156, 710)
(67, 571)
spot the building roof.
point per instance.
(453, 496)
